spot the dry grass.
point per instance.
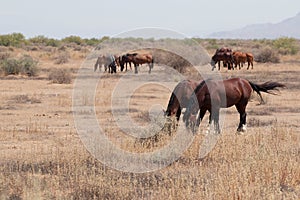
(42, 156)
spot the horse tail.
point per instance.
(266, 87)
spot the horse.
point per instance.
(241, 58)
(126, 59)
(221, 55)
(180, 97)
(139, 59)
(212, 95)
(108, 61)
(250, 59)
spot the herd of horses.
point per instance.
(112, 62)
(231, 59)
(198, 97)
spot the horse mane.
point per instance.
(200, 86)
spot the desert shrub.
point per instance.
(73, 39)
(42, 40)
(4, 55)
(28, 65)
(60, 76)
(92, 41)
(286, 45)
(62, 58)
(14, 39)
(25, 65)
(267, 55)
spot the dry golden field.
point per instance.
(42, 156)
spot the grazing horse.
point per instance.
(180, 97)
(239, 58)
(226, 57)
(126, 59)
(140, 59)
(212, 95)
(108, 62)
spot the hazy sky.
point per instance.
(96, 18)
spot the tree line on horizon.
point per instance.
(285, 45)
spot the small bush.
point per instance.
(4, 55)
(29, 66)
(267, 55)
(62, 58)
(60, 76)
(25, 65)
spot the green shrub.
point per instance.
(60, 76)
(29, 66)
(14, 39)
(42, 40)
(73, 39)
(286, 46)
(25, 65)
(267, 55)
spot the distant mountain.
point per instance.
(287, 28)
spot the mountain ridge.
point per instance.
(289, 27)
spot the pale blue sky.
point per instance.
(96, 18)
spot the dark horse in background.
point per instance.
(108, 61)
(125, 60)
(180, 97)
(224, 54)
(212, 95)
(137, 59)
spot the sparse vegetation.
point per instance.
(286, 46)
(60, 76)
(42, 156)
(62, 58)
(25, 65)
(267, 55)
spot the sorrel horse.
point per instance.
(240, 58)
(212, 95)
(180, 97)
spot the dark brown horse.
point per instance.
(125, 60)
(180, 97)
(222, 55)
(139, 59)
(212, 95)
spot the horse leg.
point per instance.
(149, 68)
(215, 117)
(178, 113)
(135, 68)
(200, 117)
(241, 108)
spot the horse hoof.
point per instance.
(242, 129)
